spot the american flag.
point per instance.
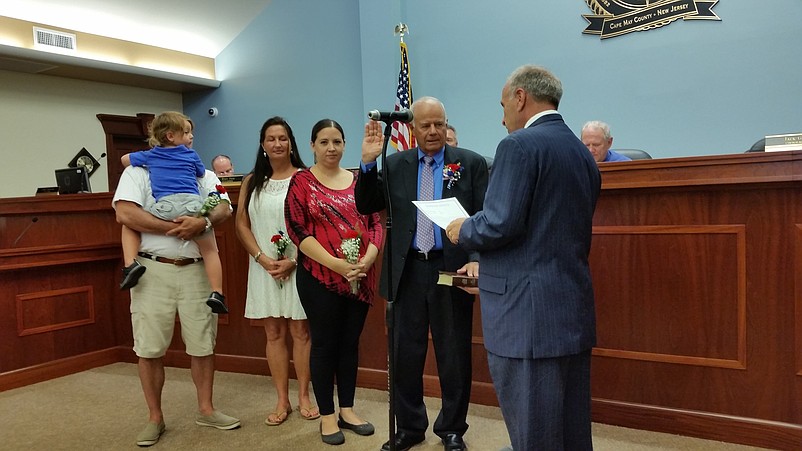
(401, 137)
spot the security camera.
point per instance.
(212, 112)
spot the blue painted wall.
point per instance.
(297, 59)
(688, 88)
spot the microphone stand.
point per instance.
(388, 270)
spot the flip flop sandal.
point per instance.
(309, 413)
(277, 418)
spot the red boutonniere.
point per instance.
(452, 172)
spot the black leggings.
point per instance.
(335, 324)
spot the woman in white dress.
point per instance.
(272, 294)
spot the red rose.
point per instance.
(351, 234)
(220, 189)
(275, 238)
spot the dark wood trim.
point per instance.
(59, 368)
(51, 205)
(736, 169)
(89, 302)
(123, 135)
(709, 426)
(39, 257)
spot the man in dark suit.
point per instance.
(535, 287)
(419, 251)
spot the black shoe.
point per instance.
(217, 302)
(454, 442)
(336, 438)
(403, 441)
(131, 275)
(361, 429)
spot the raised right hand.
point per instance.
(372, 142)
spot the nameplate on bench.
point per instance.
(791, 141)
(230, 179)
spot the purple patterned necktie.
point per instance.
(425, 235)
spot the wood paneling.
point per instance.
(58, 280)
(124, 134)
(678, 266)
(47, 311)
(695, 264)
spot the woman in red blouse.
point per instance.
(322, 220)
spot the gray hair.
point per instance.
(599, 125)
(537, 82)
(427, 99)
(451, 127)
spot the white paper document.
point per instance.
(442, 211)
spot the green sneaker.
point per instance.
(217, 420)
(150, 435)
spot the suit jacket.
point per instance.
(402, 174)
(534, 237)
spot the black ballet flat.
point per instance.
(361, 429)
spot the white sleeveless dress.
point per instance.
(265, 298)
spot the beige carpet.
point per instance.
(103, 409)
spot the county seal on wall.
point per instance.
(617, 17)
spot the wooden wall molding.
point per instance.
(737, 169)
(48, 311)
(62, 367)
(44, 256)
(735, 244)
(798, 297)
(706, 425)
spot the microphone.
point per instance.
(391, 116)
(25, 230)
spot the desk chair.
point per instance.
(759, 146)
(635, 154)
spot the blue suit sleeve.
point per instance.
(507, 202)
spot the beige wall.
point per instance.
(45, 121)
(19, 33)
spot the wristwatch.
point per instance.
(208, 223)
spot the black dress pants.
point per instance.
(421, 304)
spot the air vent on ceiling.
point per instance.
(44, 39)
